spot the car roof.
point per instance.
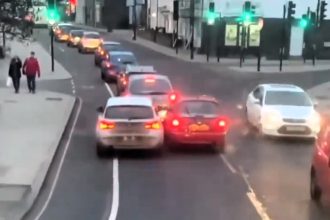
(110, 43)
(121, 53)
(143, 76)
(282, 87)
(140, 68)
(129, 100)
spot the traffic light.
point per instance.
(175, 10)
(304, 21)
(312, 18)
(247, 15)
(291, 10)
(211, 15)
(322, 11)
(52, 15)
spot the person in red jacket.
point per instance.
(31, 69)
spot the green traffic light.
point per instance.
(211, 17)
(303, 23)
(247, 17)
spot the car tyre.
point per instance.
(315, 190)
(95, 62)
(101, 150)
(102, 76)
(220, 146)
(79, 50)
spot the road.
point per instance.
(191, 184)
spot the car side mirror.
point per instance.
(257, 101)
(100, 109)
(315, 103)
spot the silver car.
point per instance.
(128, 123)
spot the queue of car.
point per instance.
(149, 113)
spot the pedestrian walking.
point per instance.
(15, 72)
(31, 69)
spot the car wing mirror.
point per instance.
(256, 101)
(100, 109)
(315, 103)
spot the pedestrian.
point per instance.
(15, 72)
(31, 69)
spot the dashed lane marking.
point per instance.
(259, 207)
(228, 164)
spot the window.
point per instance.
(129, 112)
(123, 59)
(197, 107)
(287, 98)
(155, 87)
(92, 36)
(112, 47)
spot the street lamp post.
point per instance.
(192, 27)
(134, 22)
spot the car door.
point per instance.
(322, 162)
(253, 105)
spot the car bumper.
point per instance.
(196, 138)
(291, 130)
(131, 141)
(89, 48)
(62, 38)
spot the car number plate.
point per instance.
(196, 127)
(295, 128)
(129, 138)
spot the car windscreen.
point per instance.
(287, 98)
(149, 86)
(198, 107)
(129, 112)
(67, 29)
(92, 36)
(123, 59)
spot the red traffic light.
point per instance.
(73, 2)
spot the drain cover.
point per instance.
(54, 99)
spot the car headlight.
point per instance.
(271, 119)
(314, 121)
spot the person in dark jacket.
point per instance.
(15, 72)
(31, 69)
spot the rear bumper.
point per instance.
(196, 138)
(139, 142)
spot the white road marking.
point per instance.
(228, 164)
(109, 90)
(115, 190)
(115, 178)
(58, 171)
(61, 49)
(261, 210)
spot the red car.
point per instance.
(196, 120)
(320, 169)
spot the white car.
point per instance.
(128, 123)
(157, 87)
(282, 110)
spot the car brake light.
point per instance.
(173, 97)
(222, 123)
(108, 65)
(149, 80)
(175, 123)
(106, 125)
(152, 125)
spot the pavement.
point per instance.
(31, 129)
(256, 179)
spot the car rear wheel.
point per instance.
(95, 62)
(220, 146)
(79, 50)
(101, 150)
(315, 191)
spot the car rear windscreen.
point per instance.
(198, 107)
(92, 36)
(149, 86)
(129, 112)
(113, 47)
(77, 33)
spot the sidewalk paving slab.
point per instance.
(31, 127)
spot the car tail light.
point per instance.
(222, 124)
(108, 65)
(106, 125)
(175, 123)
(102, 52)
(173, 97)
(152, 125)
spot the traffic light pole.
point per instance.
(135, 22)
(177, 37)
(282, 38)
(52, 47)
(208, 43)
(192, 27)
